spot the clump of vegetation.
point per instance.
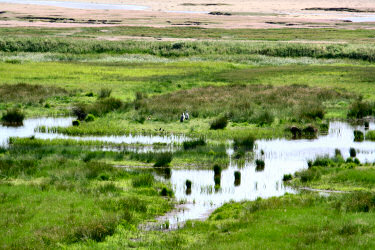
(76, 123)
(90, 118)
(104, 93)
(259, 165)
(13, 117)
(309, 131)
(360, 109)
(352, 152)
(358, 136)
(166, 192)
(143, 180)
(370, 135)
(262, 118)
(311, 113)
(246, 143)
(287, 177)
(193, 143)
(99, 108)
(217, 170)
(219, 123)
(163, 159)
(356, 202)
(188, 184)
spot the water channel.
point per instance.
(281, 156)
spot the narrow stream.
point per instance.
(281, 156)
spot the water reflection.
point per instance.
(210, 190)
(29, 126)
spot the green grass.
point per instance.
(350, 35)
(288, 222)
(63, 195)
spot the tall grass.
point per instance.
(168, 49)
(257, 104)
(13, 117)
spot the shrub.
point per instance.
(188, 184)
(143, 180)
(219, 123)
(360, 109)
(76, 123)
(194, 143)
(90, 118)
(13, 117)
(352, 152)
(89, 94)
(287, 177)
(104, 93)
(246, 143)
(358, 136)
(163, 159)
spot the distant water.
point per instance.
(80, 5)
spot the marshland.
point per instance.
(128, 136)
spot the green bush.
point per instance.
(13, 117)
(188, 184)
(219, 123)
(352, 152)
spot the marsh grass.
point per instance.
(193, 143)
(29, 93)
(241, 103)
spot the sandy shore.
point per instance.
(245, 14)
(264, 6)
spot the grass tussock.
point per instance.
(13, 117)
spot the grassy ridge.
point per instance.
(352, 35)
(179, 49)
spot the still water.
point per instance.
(281, 156)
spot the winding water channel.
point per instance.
(281, 156)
